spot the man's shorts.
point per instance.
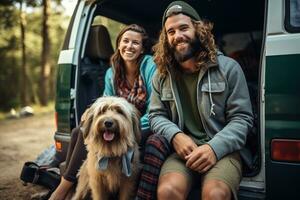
(228, 170)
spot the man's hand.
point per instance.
(183, 145)
(201, 159)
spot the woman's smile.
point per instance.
(131, 46)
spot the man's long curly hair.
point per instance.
(164, 55)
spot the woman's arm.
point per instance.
(147, 68)
(108, 88)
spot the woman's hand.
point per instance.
(62, 190)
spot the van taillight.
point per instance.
(58, 146)
(285, 150)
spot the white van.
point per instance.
(262, 35)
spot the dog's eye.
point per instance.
(103, 109)
(120, 111)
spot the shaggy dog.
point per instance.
(111, 132)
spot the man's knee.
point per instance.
(169, 191)
(165, 191)
(170, 188)
(216, 190)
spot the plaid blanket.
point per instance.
(157, 149)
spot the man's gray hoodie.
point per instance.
(223, 103)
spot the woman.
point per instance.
(129, 77)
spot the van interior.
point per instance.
(238, 30)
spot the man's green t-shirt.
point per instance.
(187, 88)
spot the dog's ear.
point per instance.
(86, 122)
(136, 125)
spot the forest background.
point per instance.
(31, 36)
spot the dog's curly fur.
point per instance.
(109, 115)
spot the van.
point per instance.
(262, 35)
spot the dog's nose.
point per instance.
(108, 123)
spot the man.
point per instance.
(200, 104)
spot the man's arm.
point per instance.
(238, 111)
(160, 123)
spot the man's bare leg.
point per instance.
(173, 186)
(215, 190)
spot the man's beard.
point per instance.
(193, 47)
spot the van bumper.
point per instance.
(242, 194)
(251, 195)
(60, 154)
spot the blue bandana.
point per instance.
(126, 160)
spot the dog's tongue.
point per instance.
(108, 136)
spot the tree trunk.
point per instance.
(45, 57)
(24, 76)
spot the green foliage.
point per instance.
(9, 81)
(9, 67)
(10, 51)
(10, 47)
(8, 17)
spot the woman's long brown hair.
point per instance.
(163, 55)
(116, 59)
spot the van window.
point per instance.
(292, 16)
(112, 26)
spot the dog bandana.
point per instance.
(126, 160)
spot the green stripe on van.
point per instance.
(282, 87)
(63, 101)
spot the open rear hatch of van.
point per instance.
(238, 30)
(239, 33)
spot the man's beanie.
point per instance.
(177, 7)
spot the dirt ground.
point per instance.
(22, 140)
